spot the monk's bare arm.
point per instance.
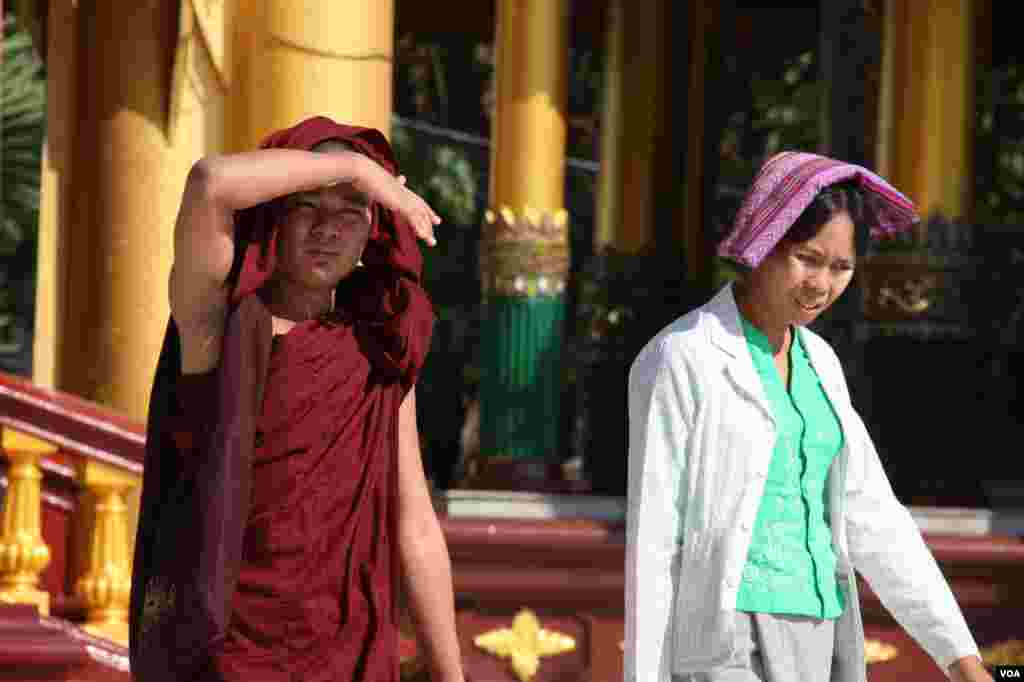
(426, 566)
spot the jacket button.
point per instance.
(258, 440)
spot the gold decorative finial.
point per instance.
(532, 216)
(561, 218)
(507, 215)
(524, 644)
(877, 651)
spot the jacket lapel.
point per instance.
(832, 385)
(726, 333)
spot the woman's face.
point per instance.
(799, 281)
(322, 234)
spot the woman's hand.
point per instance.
(391, 192)
(969, 669)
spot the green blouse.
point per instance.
(791, 566)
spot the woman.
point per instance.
(754, 488)
(284, 499)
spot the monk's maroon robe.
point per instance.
(267, 547)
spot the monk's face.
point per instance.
(798, 281)
(321, 235)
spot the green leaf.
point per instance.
(22, 131)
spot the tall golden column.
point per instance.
(634, 126)
(525, 247)
(56, 206)
(322, 57)
(139, 124)
(609, 215)
(529, 127)
(927, 103)
(643, 190)
(705, 27)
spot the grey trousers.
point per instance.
(777, 648)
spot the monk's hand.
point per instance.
(427, 234)
(969, 669)
(391, 192)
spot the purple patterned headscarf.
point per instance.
(786, 185)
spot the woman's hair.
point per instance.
(834, 199)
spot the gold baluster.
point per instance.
(23, 553)
(106, 586)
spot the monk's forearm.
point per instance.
(427, 573)
(238, 181)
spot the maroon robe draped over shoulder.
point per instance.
(267, 547)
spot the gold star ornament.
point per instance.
(524, 644)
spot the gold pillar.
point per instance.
(703, 22)
(928, 94)
(105, 587)
(56, 206)
(609, 216)
(633, 126)
(529, 126)
(323, 58)
(246, 19)
(128, 183)
(525, 248)
(23, 552)
(886, 111)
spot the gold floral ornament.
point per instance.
(524, 644)
(524, 254)
(877, 651)
(158, 603)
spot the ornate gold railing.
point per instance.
(72, 470)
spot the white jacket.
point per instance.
(701, 435)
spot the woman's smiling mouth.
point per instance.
(811, 308)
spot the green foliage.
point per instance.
(999, 146)
(784, 114)
(22, 128)
(441, 174)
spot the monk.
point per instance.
(284, 502)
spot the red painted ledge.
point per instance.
(34, 647)
(72, 423)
